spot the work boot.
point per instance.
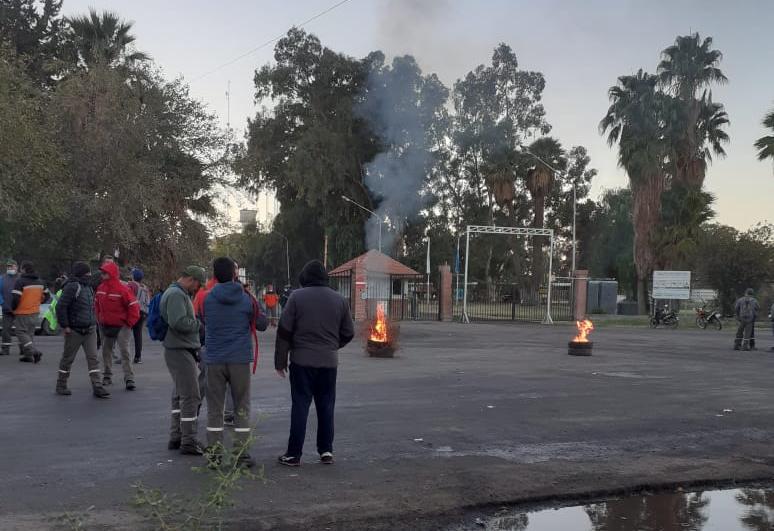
(173, 444)
(37, 356)
(61, 385)
(194, 448)
(246, 460)
(101, 392)
(130, 385)
(26, 358)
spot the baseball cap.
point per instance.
(195, 272)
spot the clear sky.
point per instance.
(580, 46)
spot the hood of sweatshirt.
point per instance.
(313, 274)
(228, 292)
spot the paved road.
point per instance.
(467, 416)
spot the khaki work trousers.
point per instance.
(108, 344)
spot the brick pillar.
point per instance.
(445, 294)
(358, 289)
(581, 281)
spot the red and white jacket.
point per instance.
(115, 303)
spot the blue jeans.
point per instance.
(307, 384)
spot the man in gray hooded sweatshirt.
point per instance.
(746, 310)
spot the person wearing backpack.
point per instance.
(232, 317)
(181, 354)
(75, 314)
(746, 310)
(117, 312)
(142, 294)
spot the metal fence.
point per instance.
(513, 302)
(342, 282)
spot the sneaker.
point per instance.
(137, 361)
(101, 392)
(289, 460)
(106, 380)
(195, 448)
(130, 385)
(326, 458)
(64, 391)
(173, 444)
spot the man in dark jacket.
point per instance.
(746, 310)
(231, 316)
(76, 317)
(315, 324)
(7, 282)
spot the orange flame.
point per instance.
(584, 329)
(379, 327)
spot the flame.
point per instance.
(584, 329)
(379, 326)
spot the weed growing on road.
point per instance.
(225, 474)
(73, 521)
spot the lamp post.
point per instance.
(287, 254)
(348, 200)
(574, 200)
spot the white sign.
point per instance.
(672, 285)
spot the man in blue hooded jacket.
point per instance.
(230, 316)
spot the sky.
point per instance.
(580, 46)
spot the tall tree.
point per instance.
(687, 69)
(765, 144)
(635, 123)
(103, 39)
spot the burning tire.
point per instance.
(382, 334)
(576, 348)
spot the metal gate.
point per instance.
(513, 302)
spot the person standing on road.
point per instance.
(746, 310)
(271, 300)
(232, 317)
(142, 294)
(7, 282)
(117, 312)
(75, 315)
(181, 354)
(29, 293)
(315, 324)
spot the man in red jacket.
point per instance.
(117, 312)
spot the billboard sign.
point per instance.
(672, 285)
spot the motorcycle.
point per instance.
(705, 318)
(666, 317)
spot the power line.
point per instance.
(270, 41)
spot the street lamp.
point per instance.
(287, 254)
(347, 199)
(574, 198)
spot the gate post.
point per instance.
(445, 306)
(580, 288)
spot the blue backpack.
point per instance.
(157, 327)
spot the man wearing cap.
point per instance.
(181, 353)
(76, 317)
(7, 282)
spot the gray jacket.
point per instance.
(177, 311)
(746, 309)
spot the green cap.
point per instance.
(10, 262)
(195, 272)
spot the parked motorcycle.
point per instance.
(706, 318)
(666, 317)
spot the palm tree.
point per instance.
(765, 144)
(687, 67)
(103, 40)
(539, 181)
(635, 121)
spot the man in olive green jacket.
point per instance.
(181, 353)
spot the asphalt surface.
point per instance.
(468, 417)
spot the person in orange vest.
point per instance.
(29, 293)
(271, 300)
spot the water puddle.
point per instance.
(749, 509)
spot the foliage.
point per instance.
(225, 476)
(765, 144)
(732, 261)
